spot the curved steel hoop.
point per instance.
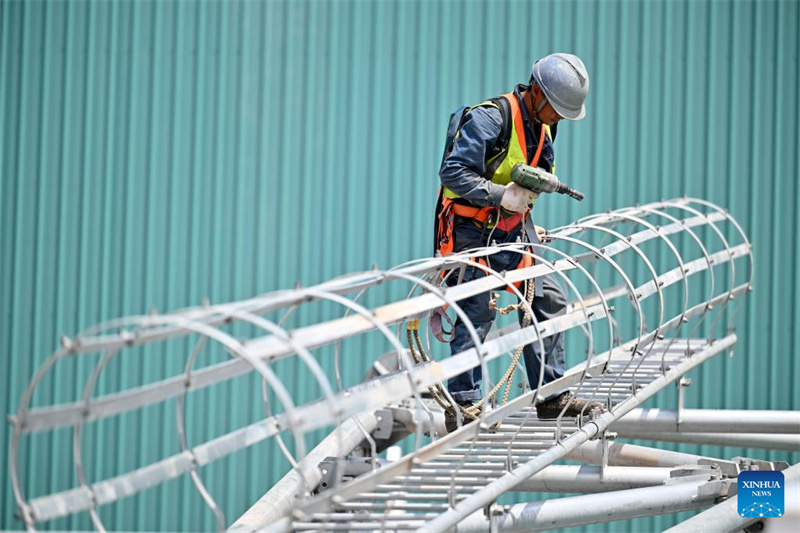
(619, 231)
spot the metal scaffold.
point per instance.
(653, 292)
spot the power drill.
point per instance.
(537, 180)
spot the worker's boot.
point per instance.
(450, 421)
(552, 408)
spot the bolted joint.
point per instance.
(66, 342)
(126, 336)
(493, 512)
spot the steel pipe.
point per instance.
(282, 497)
(590, 478)
(622, 454)
(562, 478)
(789, 443)
(709, 421)
(595, 508)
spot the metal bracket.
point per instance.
(681, 384)
(336, 470)
(385, 424)
(713, 488)
(461, 271)
(745, 463)
(606, 436)
(493, 513)
(699, 472)
(729, 469)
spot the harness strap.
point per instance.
(539, 148)
(480, 215)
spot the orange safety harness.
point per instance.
(482, 215)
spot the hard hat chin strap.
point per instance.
(539, 108)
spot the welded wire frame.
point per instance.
(487, 494)
(587, 224)
(478, 343)
(588, 330)
(275, 340)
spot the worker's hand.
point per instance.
(541, 232)
(517, 199)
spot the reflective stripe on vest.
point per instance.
(515, 152)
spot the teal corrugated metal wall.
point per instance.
(154, 153)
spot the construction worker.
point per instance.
(478, 205)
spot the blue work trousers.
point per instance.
(551, 302)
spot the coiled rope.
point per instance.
(437, 391)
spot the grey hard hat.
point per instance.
(565, 83)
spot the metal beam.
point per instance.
(622, 454)
(591, 479)
(492, 491)
(596, 508)
(282, 497)
(709, 421)
(789, 443)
